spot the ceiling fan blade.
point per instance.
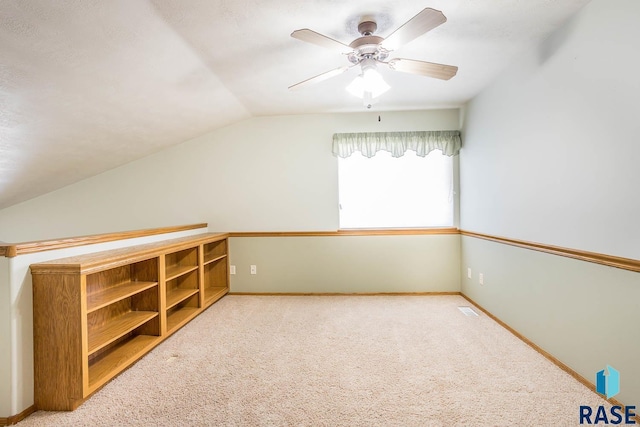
(429, 69)
(423, 22)
(310, 36)
(320, 77)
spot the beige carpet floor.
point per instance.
(336, 361)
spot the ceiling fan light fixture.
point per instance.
(356, 87)
(374, 83)
(370, 81)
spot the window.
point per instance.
(396, 179)
(396, 192)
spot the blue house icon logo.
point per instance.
(608, 384)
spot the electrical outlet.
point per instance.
(254, 269)
(481, 278)
(232, 269)
(468, 272)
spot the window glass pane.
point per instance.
(408, 191)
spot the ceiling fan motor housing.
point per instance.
(367, 47)
(367, 28)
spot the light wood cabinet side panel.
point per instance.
(57, 308)
(84, 333)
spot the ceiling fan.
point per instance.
(369, 50)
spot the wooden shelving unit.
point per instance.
(96, 314)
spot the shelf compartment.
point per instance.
(214, 259)
(177, 271)
(181, 288)
(215, 279)
(214, 250)
(114, 284)
(181, 313)
(118, 358)
(182, 262)
(213, 294)
(113, 294)
(179, 295)
(116, 328)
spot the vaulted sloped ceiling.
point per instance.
(88, 85)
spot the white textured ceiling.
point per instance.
(88, 85)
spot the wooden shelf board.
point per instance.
(119, 358)
(213, 294)
(115, 294)
(174, 271)
(178, 295)
(218, 258)
(118, 327)
(180, 317)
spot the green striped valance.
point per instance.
(397, 143)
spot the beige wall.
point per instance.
(347, 264)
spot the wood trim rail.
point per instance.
(597, 258)
(603, 259)
(14, 419)
(348, 232)
(15, 249)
